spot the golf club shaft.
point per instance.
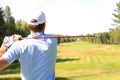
(38, 37)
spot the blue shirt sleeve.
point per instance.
(13, 53)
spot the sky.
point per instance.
(67, 17)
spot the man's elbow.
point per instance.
(3, 63)
(1, 68)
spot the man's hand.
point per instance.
(9, 40)
(16, 37)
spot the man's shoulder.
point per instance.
(48, 34)
(22, 42)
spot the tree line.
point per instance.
(9, 26)
(113, 35)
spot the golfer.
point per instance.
(37, 56)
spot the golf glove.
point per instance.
(8, 41)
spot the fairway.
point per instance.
(85, 61)
(79, 61)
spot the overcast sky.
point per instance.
(72, 17)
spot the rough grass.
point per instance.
(80, 61)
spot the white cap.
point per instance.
(40, 19)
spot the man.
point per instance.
(37, 56)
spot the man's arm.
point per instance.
(3, 62)
(3, 49)
(7, 42)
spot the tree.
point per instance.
(117, 15)
(21, 27)
(9, 21)
(115, 34)
(2, 25)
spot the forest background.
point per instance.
(9, 26)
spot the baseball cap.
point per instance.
(40, 19)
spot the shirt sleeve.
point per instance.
(13, 53)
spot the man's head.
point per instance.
(37, 23)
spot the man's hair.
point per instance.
(36, 28)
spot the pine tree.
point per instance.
(117, 15)
(115, 34)
(2, 26)
(9, 21)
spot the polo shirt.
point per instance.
(37, 57)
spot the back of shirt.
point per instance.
(37, 58)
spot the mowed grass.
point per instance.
(85, 61)
(79, 61)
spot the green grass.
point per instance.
(80, 61)
(99, 62)
(78, 45)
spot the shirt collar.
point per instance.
(35, 34)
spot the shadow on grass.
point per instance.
(61, 78)
(58, 78)
(66, 59)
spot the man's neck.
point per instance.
(32, 32)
